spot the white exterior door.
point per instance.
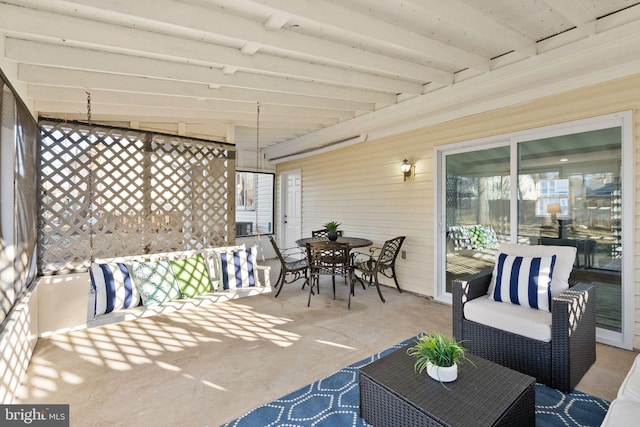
(292, 209)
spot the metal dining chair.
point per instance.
(378, 261)
(332, 259)
(293, 262)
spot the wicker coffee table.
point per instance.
(392, 394)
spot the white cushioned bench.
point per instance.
(136, 306)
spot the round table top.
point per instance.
(354, 242)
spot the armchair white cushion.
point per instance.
(518, 319)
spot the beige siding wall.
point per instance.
(362, 186)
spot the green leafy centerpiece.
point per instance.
(439, 355)
(332, 228)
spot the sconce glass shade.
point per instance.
(405, 167)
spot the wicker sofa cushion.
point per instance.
(523, 280)
(630, 387)
(518, 319)
(625, 409)
(565, 257)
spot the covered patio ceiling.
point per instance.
(325, 73)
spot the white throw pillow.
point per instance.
(565, 257)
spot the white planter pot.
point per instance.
(442, 374)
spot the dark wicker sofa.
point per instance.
(560, 363)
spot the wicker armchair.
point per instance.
(560, 363)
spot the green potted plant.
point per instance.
(332, 228)
(439, 355)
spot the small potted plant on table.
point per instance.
(439, 355)
(332, 229)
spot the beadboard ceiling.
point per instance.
(324, 73)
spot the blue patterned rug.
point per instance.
(333, 401)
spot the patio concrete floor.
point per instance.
(206, 366)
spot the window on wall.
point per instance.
(245, 185)
(254, 203)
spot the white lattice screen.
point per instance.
(109, 192)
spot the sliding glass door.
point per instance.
(569, 190)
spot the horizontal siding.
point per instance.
(362, 186)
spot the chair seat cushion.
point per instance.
(298, 264)
(517, 319)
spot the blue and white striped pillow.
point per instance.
(113, 286)
(237, 268)
(524, 280)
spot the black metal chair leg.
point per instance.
(378, 288)
(395, 279)
(279, 283)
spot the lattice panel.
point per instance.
(113, 192)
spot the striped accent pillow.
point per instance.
(238, 268)
(113, 286)
(524, 280)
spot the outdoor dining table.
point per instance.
(353, 242)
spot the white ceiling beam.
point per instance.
(276, 21)
(135, 112)
(106, 36)
(51, 93)
(328, 19)
(38, 74)
(87, 59)
(577, 13)
(459, 14)
(199, 23)
(599, 58)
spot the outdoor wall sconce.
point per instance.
(554, 209)
(405, 167)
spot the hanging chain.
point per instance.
(90, 210)
(88, 106)
(255, 181)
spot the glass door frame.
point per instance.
(624, 338)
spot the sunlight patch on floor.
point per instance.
(334, 344)
(123, 346)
